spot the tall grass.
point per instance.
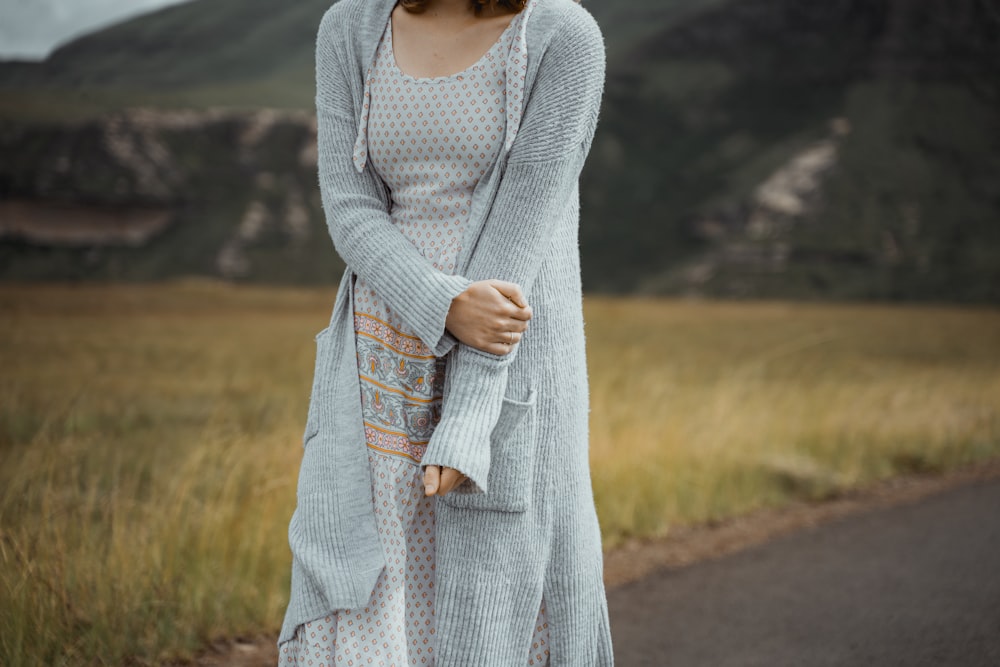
(150, 438)
(705, 410)
(149, 445)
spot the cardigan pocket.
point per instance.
(324, 345)
(512, 461)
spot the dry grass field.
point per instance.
(150, 439)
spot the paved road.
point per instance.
(909, 585)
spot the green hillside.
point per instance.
(200, 53)
(708, 105)
(242, 53)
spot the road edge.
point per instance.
(687, 545)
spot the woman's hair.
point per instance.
(417, 6)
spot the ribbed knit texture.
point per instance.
(524, 523)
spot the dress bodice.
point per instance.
(430, 139)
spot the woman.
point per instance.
(447, 517)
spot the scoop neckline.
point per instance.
(447, 77)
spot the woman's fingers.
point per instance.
(510, 290)
(509, 338)
(512, 325)
(508, 329)
(440, 482)
(520, 313)
(490, 315)
(450, 478)
(432, 478)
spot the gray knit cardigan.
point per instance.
(524, 525)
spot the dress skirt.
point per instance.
(396, 629)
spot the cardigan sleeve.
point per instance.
(356, 213)
(538, 185)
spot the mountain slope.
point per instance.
(196, 53)
(703, 112)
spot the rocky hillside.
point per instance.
(143, 194)
(798, 148)
(848, 148)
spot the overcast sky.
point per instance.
(30, 29)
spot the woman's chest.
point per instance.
(436, 129)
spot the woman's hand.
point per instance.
(441, 479)
(490, 315)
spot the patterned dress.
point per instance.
(430, 139)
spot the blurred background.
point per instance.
(790, 241)
(754, 148)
